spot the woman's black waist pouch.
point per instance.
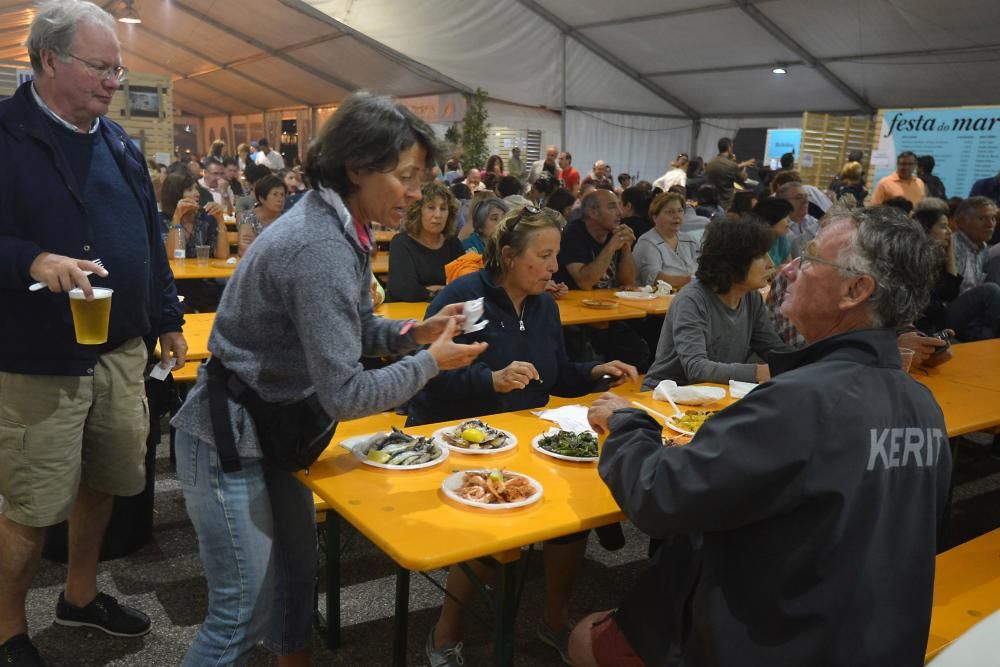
(291, 435)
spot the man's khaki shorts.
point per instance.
(56, 430)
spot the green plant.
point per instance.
(475, 130)
(453, 135)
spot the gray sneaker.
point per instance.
(444, 656)
(559, 640)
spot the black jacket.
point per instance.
(41, 209)
(800, 521)
(535, 337)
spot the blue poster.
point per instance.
(965, 143)
(780, 142)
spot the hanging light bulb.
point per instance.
(129, 15)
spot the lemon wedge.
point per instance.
(377, 456)
(473, 435)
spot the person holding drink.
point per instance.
(73, 417)
(188, 226)
(290, 331)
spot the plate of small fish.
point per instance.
(474, 436)
(396, 450)
(567, 446)
(492, 489)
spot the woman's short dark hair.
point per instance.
(262, 188)
(481, 212)
(902, 203)
(708, 195)
(928, 218)
(560, 199)
(172, 191)
(461, 191)
(508, 185)
(728, 248)
(430, 192)
(367, 133)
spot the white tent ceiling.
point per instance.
(684, 58)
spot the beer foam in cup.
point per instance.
(99, 293)
(90, 318)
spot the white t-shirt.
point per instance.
(272, 160)
(670, 179)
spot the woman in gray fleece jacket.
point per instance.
(295, 319)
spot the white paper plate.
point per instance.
(357, 443)
(454, 481)
(441, 442)
(635, 296)
(561, 457)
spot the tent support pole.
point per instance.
(562, 115)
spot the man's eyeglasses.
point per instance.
(808, 256)
(116, 72)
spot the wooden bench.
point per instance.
(187, 374)
(966, 589)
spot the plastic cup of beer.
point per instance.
(90, 318)
(202, 252)
(906, 358)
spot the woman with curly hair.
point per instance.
(417, 257)
(718, 320)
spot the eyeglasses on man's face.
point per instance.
(808, 256)
(103, 72)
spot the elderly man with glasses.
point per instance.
(73, 417)
(800, 523)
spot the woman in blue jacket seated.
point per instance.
(524, 363)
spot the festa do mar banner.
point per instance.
(965, 143)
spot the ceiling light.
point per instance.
(129, 15)
(779, 69)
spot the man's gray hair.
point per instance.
(969, 206)
(788, 187)
(55, 27)
(900, 257)
(932, 204)
(591, 202)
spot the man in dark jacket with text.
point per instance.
(799, 525)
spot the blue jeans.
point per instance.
(257, 538)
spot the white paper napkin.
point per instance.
(739, 389)
(688, 395)
(571, 418)
(473, 310)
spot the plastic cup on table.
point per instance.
(90, 318)
(203, 252)
(906, 358)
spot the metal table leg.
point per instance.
(332, 533)
(505, 606)
(402, 615)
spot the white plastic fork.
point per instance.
(38, 286)
(662, 416)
